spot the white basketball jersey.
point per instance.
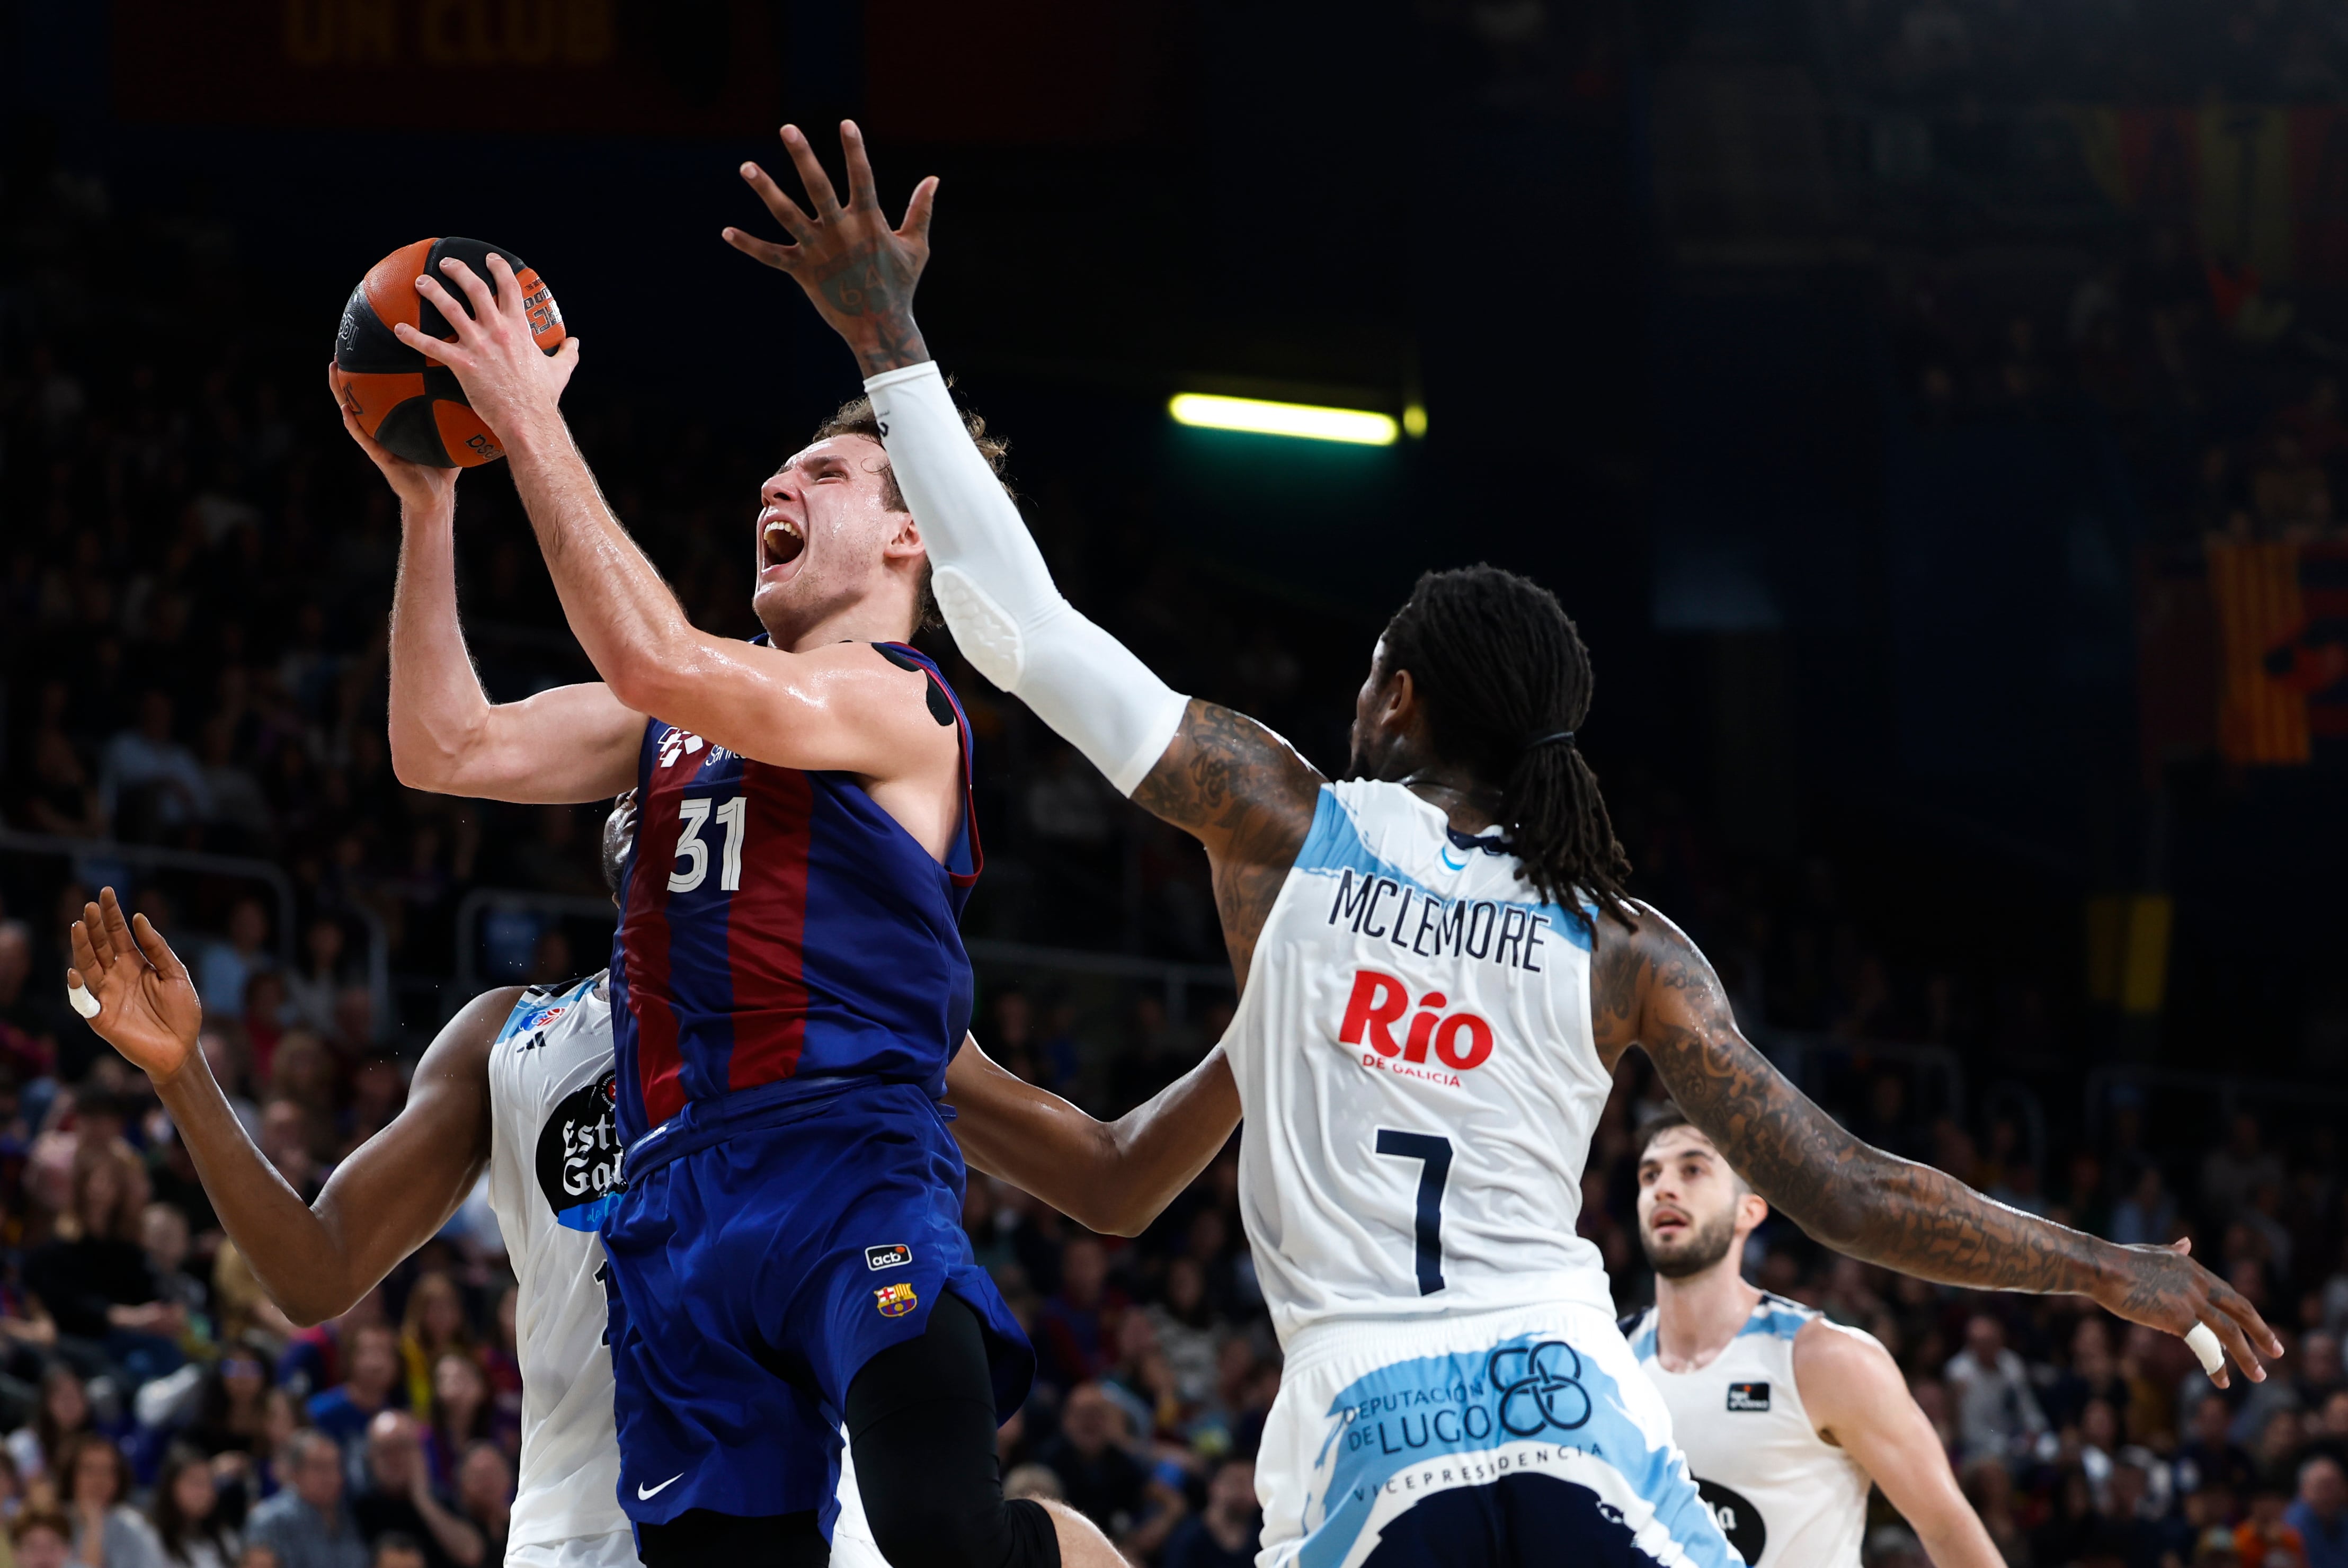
(1784, 1496)
(1414, 1059)
(554, 1159)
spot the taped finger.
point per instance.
(2203, 1342)
(78, 995)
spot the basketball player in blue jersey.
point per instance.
(1440, 970)
(515, 1075)
(788, 986)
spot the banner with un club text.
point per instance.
(937, 71)
(645, 67)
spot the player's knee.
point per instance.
(947, 1528)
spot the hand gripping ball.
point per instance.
(410, 403)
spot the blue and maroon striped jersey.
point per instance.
(778, 930)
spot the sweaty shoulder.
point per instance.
(902, 698)
(1839, 1370)
(844, 708)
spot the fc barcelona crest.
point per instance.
(895, 1300)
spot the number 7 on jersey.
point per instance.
(1433, 1154)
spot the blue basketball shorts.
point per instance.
(755, 1269)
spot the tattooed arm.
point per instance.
(1248, 797)
(1650, 987)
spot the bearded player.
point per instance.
(1440, 969)
(788, 986)
(519, 1084)
(1785, 1418)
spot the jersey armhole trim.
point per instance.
(905, 657)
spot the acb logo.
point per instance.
(1459, 1040)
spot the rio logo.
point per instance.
(1459, 1040)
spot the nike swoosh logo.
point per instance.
(646, 1493)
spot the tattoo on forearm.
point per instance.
(1249, 798)
(1874, 1206)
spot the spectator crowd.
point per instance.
(158, 1409)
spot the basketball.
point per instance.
(408, 401)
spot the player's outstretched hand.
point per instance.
(2164, 1288)
(857, 269)
(508, 379)
(420, 488)
(146, 1005)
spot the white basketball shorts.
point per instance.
(1526, 1436)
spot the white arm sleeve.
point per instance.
(1007, 618)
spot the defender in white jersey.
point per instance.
(555, 1166)
(1415, 1053)
(1421, 1050)
(1786, 1418)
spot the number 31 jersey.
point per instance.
(779, 929)
(1416, 1062)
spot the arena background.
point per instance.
(1929, 409)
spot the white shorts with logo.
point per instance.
(1521, 1436)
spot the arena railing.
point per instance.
(93, 860)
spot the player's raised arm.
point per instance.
(834, 708)
(573, 743)
(1239, 788)
(1649, 986)
(383, 1202)
(1114, 1177)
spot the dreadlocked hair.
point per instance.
(1500, 667)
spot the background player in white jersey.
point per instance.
(1784, 1417)
(1440, 968)
(520, 1082)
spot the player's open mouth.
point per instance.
(1667, 1223)
(780, 543)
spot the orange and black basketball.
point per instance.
(408, 402)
